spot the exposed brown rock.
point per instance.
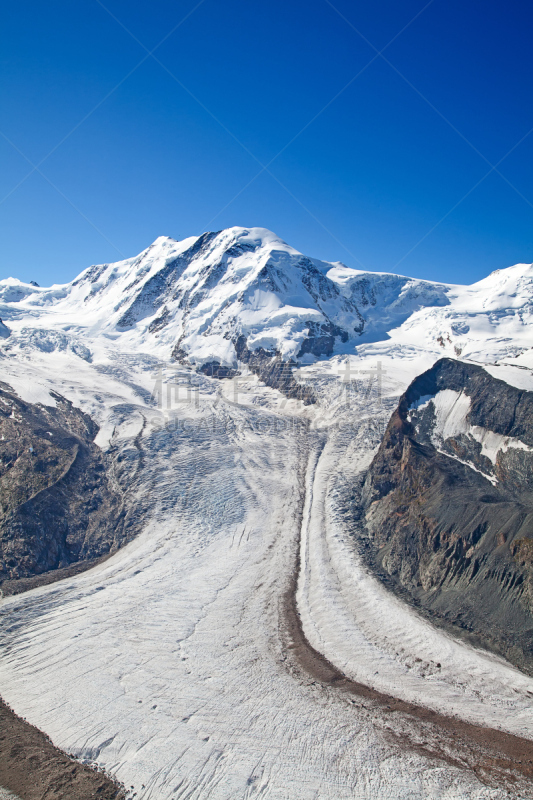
(34, 769)
(461, 546)
(58, 502)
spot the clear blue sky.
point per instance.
(361, 171)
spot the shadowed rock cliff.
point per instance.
(449, 504)
(58, 504)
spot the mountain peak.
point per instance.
(195, 299)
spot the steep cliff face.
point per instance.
(58, 504)
(449, 504)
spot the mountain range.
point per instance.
(207, 300)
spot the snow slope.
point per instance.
(197, 296)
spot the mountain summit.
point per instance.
(213, 300)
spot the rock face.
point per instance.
(273, 371)
(449, 504)
(58, 504)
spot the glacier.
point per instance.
(173, 664)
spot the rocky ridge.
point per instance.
(212, 300)
(59, 503)
(448, 504)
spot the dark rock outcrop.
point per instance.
(214, 369)
(273, 371)
(268, 365)
(58, 502)
(450, 520)
(320, 340)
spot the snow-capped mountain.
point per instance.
(207, 300)
(237, 643)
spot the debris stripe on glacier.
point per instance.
(374, 638)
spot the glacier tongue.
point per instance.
(168, 664)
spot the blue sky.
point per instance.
(377, 121)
